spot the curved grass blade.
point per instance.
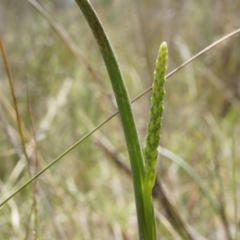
(125, 111)
(190, 171)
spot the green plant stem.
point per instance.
(125, 111)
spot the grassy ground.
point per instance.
(89, 194)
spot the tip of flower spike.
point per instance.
(163, 47)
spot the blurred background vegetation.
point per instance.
(63, 91)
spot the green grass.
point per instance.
(89, 193)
